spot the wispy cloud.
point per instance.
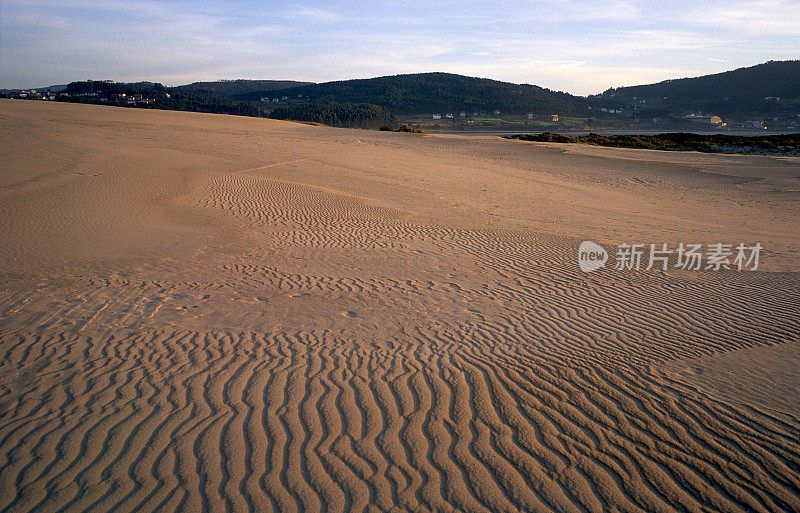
(579, 46)
(767, 17)
(311, 14)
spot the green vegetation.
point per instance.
(435, 92)
(238, 87)
(769, 89)
(771, 144)
(758, 97)
(152, 95)
(359, 115)
(404, 129)
(155, 96)
(545, 137)
(410, 130)
(107, 87)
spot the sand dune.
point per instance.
(210, 313)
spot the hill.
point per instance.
(435, 92)
(768, 89)
(762, 96)
(153, 95)
(57, 88)
(156, 96)
(240, 86)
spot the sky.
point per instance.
(580, 47)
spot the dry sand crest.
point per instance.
(203, 312)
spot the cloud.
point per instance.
(603, 10)
(314, 15)
(578, 46)
(765, 17)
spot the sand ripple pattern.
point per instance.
(524, 385)
(190, 421)
(304, 215)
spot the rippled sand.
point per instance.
(208, 313)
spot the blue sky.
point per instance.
(576, 46)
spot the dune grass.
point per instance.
(679, 141)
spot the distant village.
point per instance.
(700, 120)
(49, 95)
(618, 117)
(607, 117)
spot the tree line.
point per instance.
(331, 113)
(426, 93)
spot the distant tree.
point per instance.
(434, 92)
(161, 97)
(768, 89)
(239, 87)
(349, 115)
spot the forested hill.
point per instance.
(742, 97)
(762, 89)
(155, 96)
(436, 92)
(239, 87)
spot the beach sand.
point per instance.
(217, 313)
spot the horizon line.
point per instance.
(309, 82)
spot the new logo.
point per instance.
(591, 256)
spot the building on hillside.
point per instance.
(531, 115)
(706, 120)
(554, 117)
(437, 116)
